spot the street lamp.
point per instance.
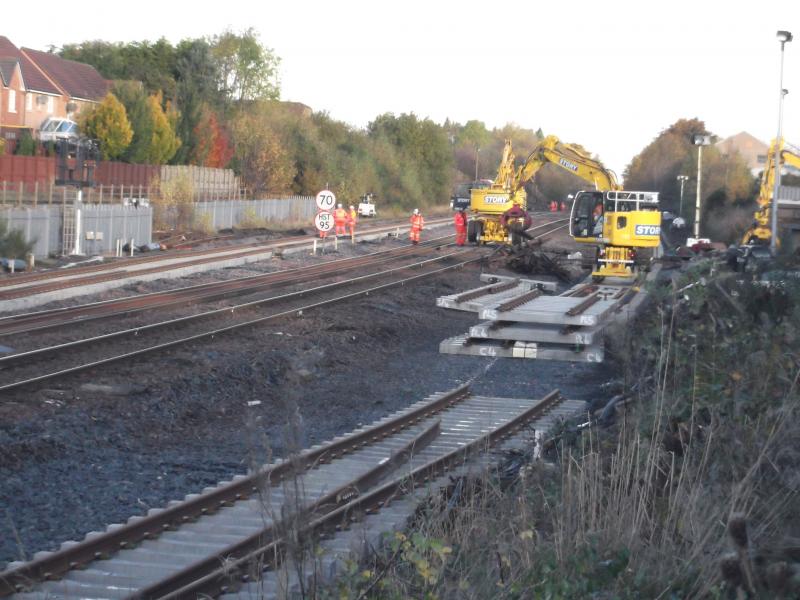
(783, 37)
(682, 179)
(699, 141)
(477, 155)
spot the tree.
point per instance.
(196, 72)
(213, 147)
(673, 153)
(108, 123)
(13, 243)
(246, 69)
(163, 141)
(26, 146)
(259, 153)
(134, 98)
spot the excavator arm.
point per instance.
(761, 232)
(569, 157)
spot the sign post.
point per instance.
(323, 220)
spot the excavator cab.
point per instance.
(622, 223)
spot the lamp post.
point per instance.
(783, 37)
(477, 156)
(682, 179)
(699, 141)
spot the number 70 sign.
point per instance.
(326, 200)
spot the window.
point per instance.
(12, 101)
(50, 105)
(28, 101)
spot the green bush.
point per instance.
(26, 146)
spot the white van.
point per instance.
(58, 128)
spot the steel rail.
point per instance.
(232, 250)
(150, 526)
(325, 504)
(12, 358)
(189, 584)
(48, 319)
(294, 311)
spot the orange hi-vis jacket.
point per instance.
(340, 216)
(417, 222)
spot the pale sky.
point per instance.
(608, 74)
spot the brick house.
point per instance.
(38, 85)
(12, 95)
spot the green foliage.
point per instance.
(108, 123)
(726, 179)
(246, 69)
(12, 242)
(26, 145)
(163, 142)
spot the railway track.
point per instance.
(48, 281)
(60, 317)
(24, 368)
(234, 538)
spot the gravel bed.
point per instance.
(99, 447)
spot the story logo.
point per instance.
(567, 164)
(648, 230)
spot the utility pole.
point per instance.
(682, 179)
(477, 156)
(783, 37)
(699, 141)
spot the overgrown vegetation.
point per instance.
(214, 102)
(691, 493)
(12, 242)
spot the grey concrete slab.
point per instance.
(466, 346)
(551, 310)
(536, 332)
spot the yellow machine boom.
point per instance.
(761, 231)
(630, 221)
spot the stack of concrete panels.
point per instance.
(520, 321)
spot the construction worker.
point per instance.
(340, 220)
(563, 206)
(417, 223)
(553, 206)
(597, 216)
(352, 219)
(516, 219)
(460, 222)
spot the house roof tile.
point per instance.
(34, 79)
(78, 80)
(7, 66)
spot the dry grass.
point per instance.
(693, 493)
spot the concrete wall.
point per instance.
(109, 222)
(231, 213)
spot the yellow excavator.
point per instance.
(619, 223)
(760, 232)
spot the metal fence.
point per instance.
(255, 213)
(97, 227)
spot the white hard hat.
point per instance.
(352, 207)
(340, 206)
(416, 211)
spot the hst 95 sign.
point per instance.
(648, 230)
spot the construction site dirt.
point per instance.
(103, 445)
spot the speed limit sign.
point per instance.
(326, 200)
(323, 221)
